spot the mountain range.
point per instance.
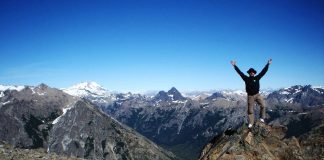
(181, 124)
(44, 117)
(177, 122)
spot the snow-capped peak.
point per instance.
(89, 86)
(85, 89)
(8, 87)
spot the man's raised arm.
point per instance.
(238, 70)
(265, 69)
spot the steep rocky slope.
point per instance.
(84, 131)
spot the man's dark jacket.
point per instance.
(252, 85)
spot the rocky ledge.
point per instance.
(265, 143)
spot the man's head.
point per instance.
(251, 72)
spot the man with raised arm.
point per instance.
(252, 87)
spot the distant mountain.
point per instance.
(215, 96)
(93, 92)
(302, 96)
(173, 95)
(198, 95)
(86, 89)
(44, 117)
(162, 96)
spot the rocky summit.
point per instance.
(268, 142)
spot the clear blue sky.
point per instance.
(156, 44)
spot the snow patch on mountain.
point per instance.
(284, 92)
(290, 100)
(1, 94)
(70, 106)
(4, 103)
(37, 90)
(177, 101)
(290, 90)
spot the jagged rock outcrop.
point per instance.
(268, 142)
